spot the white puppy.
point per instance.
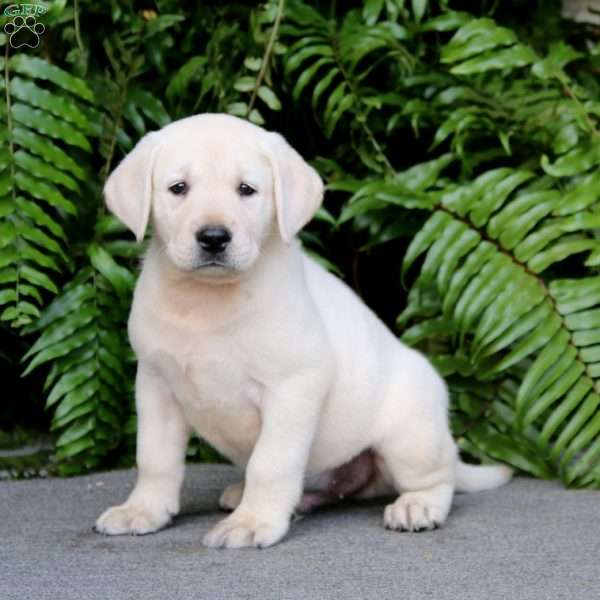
(271, 359)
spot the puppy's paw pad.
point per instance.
(231, 496)
(237, 531)
(135, 520)
(413, 511)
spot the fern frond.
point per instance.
(487, 246)
(335, 64)
(39, 180)
(90, 383)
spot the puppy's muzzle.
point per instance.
(214, 239)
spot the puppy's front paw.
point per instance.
(133, 518)
(242, 530)
(232, 496)
(414, 511)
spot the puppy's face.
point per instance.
(217, 187)
(212, 203)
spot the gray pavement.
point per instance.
(530, 539)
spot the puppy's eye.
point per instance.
(178, 188)
(246, 190)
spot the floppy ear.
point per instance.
(128, 190)
(297, 187)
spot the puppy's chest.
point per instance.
(220, 379)
(214, 385)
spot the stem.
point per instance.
(266, 57)
(11, 150)
(9, 123)
(76, 23)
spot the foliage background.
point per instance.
(459, 144)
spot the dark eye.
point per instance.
(178, 188)
(246, 190)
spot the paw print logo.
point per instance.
(24, 31)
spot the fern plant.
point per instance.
(82, 333)
(490, 303)
(460, 151)
(494, 252)
(488, 245)
(91, 375)
(40, 180)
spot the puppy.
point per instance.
(271, 359)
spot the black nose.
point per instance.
(213, 239)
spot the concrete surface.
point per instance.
(528, 540)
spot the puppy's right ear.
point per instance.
(128, 190)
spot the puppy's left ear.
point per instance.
(297, 186)
(128, 190)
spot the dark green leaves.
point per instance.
(500, 314)
(89, 385)
(481, 46)
(444, 139)
(39, 181)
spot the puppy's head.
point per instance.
(217, 188)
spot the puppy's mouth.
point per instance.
(212, 263)
(213, 267)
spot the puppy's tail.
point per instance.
(473, 478)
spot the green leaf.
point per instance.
(75, 432)
(307, 76)
(269, 98)
(510, 58)
(559, 56)
(181, 80)
(63, 338)
(70, 301)
(120, 278)
(447, 21)
(253, 63)
(371, 11)
(40, 217)
(576, 161)
(47, 150)
(297, 58)
(476, 36)
(70, 381)
(560, 251)
(43, 170)
(245, 84)
(151, 106)
(38, 278)
(503, 448)
(71, 449)
(63, 417)
(323, 84)
(43, 191)
(419, 7)
(423, 175)
(49, 125)
(54, 104)
(424, 238)
(38, 68)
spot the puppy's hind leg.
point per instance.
(419, 455)
(231, 496)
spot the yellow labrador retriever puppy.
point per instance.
(244, 339)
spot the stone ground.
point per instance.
(528, 540)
